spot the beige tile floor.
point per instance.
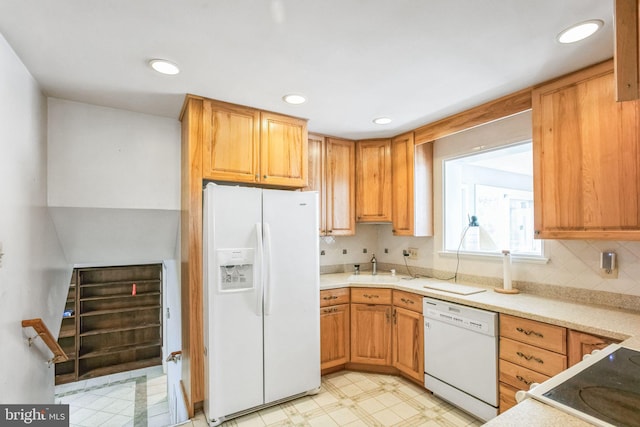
(353, 399)
(132, 399)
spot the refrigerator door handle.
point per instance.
(267, 269)
(258, 277)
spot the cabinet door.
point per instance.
(408, 343)
(340, 180)
(316, 181)
(586, 159)
(231, 138)
(334, 336)
(580, 344)
(371, 334)
(283, 152)
(373, 180)
(412, 195)
(402, 198)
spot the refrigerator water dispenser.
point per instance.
(236, 269)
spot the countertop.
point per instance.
(594, 319)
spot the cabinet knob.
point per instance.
(264, 176)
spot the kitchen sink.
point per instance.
(370, 278)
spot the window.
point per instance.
(488, 202)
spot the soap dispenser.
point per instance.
(374, 265)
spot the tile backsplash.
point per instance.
(572, 263)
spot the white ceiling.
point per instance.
(415, 61)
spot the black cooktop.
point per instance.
(608, 390)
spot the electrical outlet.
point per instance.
(608, 265)
(609, 274)
(413, 253)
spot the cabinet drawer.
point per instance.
(407, 300)
(507, 397)
(371, 296)
(540, 334)
(334, 296)
(519, 376)
(540, 360)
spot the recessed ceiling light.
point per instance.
(382, 120)
(163, 66)
(294, 99)
(580, 31)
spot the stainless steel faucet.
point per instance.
(374, 265)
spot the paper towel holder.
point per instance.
(506, 259)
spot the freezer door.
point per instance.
(233, 318)
(292, 293)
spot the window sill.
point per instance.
(530, 259)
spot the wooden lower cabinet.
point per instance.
(371, 334)
(334, 344)
(507, 397)
(381, 331)
(408, 343)
(530, 351)
(334, 328)
(581, 344)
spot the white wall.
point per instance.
(572, 263)
(114, 183)
(103, 157)
(34, 276)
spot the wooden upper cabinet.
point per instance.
(245, 145)
(316, 176)
(231, 140)
(412, 195)
(283, 158)
(373, 180)
(586, 159)
(332, 174)
(340, 187)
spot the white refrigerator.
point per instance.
(261, 296)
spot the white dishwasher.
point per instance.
(461, 356)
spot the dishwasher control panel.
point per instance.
(481, 321)
(458, 320)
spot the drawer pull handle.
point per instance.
(535, 359)
(330, 310)
(526, 332)
(330, 297)
(406, 301)
(370, 296)
(523, 380)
